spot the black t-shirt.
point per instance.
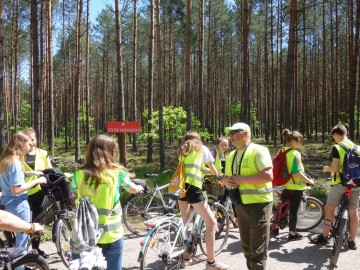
(30, 161)
(334, 153)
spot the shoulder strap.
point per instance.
(287, 151)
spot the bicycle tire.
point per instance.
(310, 214)
(212, 199)
(31, 261)
(339, 237)
(135, 213)
(62, 240)
(157, 250)
(222, 230)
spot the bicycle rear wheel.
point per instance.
(137, 209)
(62, 241)
(310, 214)
(339, 238)
(31, 261)
(158, 248)
(221, 232)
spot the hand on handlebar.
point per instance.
(139, 189)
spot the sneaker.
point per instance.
(216, 265)
(352, 245)
(319, 239)
(294, 237)
(189, 262)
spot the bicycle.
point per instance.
(339, 230)
(17, 258)
(55, 208)
(166, 241)
(143, 206)
(310, 213)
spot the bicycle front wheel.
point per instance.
(31, 261)
(310, 214)
(62, 242)
(160, 246)
(140, 208)
(339, 238)
(221, 232)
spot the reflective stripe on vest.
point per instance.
(299, 184)
(103, 199)
(40, 164)
(250, 193)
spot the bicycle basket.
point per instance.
(59, 184)
(212, 185)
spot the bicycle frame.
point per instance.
(181, 232)
(343, 211)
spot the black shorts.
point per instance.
(193, 194)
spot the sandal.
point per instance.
(188, 262)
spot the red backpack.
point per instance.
(281, 174)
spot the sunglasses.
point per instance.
(235, 131)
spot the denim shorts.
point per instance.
(336, 193)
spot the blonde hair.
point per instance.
(31, 131)
(290, 136)
(15, 148)
(100, 155)
(192, 142)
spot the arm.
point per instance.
(15, 190)
(212, 168)
(10, 222)
(334, 167)
(262, 177)
(134, 188)
(300, 174)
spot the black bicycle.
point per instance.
(57, 208)
(20, 257)
(340, 228)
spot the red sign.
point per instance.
(123, 127)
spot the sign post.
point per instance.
(123, 127)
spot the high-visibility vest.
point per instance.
(336, 176)
(194, 169)
(298, 184)
(40, 164)
(250, 193)
(109, 211)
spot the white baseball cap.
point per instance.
(239, 127)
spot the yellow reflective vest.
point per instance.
(298, 184)
(336, 176)
(40, 164)
(194, 169)
(104, 200)
(250, 193)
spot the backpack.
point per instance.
(351, 165)
(281, 174)
(177, 181)
(85, 231)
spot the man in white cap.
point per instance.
(248, 172)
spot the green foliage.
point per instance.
(174, 124)
(234, 110)
(25, 117)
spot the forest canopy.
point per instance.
(272, 64)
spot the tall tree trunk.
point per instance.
(2, 72)
(201, 64)
(35, 67)
(188, 73)
(50, 80)
(159, 86)
(135, 73)
(245, 94)
(324, 78)
(289, 82)
(151, 84)
(77, 85)
(88, 79)
(120, 81)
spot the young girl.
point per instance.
(100, 178)
(194, 155)
(294, 189)
(35, 161)
(14, 188)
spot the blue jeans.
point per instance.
(19, 206)
(112, 252)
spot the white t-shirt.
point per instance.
(206, 155)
